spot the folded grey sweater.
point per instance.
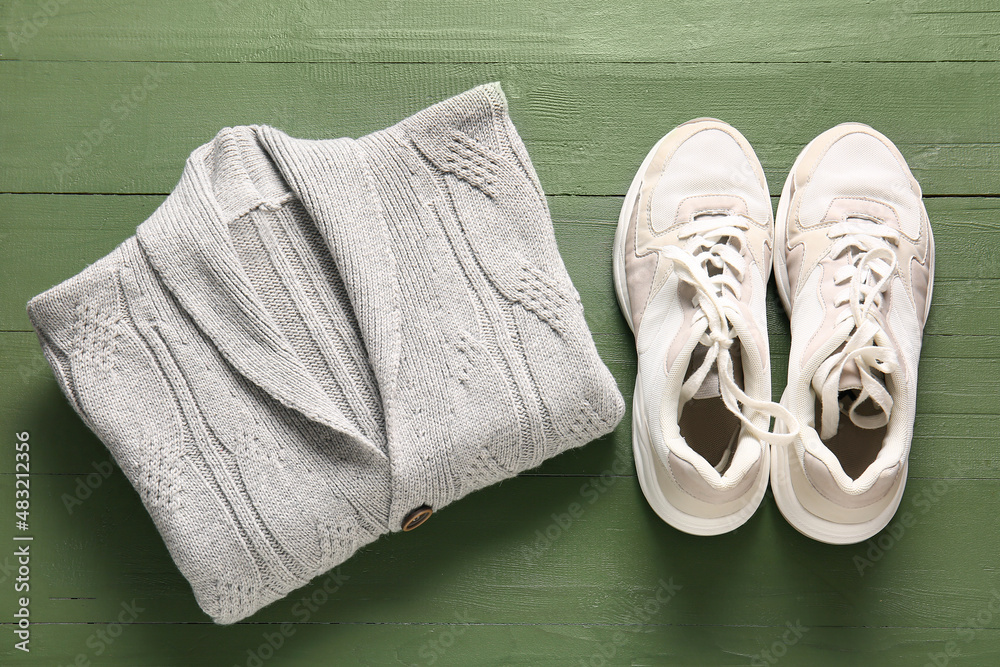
(311, 339)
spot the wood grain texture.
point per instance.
(516, 554)
(486, 645)
(510, 31)
(128, 127)
(101, 102)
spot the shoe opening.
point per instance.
(706, 424)
(856, 448)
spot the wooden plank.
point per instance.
(128, 127)
(523, 31)
(463, 643)
(540, 550)
(591, 86)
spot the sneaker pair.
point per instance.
(854, 264)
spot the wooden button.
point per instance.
(417, 517)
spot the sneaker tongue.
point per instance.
(710, 385)
(851, 387)
(850, 377)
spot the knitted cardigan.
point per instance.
(310, 339)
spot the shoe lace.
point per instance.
(865, 277)
(712, 262)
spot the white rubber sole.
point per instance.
(834, 524)
(670, 502)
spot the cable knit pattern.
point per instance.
(311, 338)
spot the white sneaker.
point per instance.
(692, 257)
(854, 263)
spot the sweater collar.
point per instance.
(187, 241)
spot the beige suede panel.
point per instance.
(640, 269)
(690, 480)
(820, 477)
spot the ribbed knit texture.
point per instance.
(309, 339)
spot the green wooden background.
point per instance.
(101, 102)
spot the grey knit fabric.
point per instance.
(311, 338)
